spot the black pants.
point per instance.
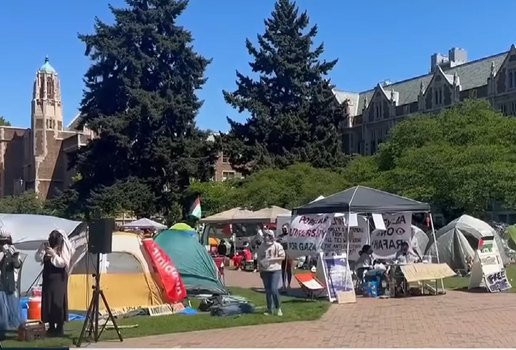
(286, 272)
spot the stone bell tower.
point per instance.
(47, 123)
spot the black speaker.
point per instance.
(100, 237)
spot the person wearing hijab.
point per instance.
(10, 311)
(55, 255)
(270, 256)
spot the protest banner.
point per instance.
(398, 229)
(307, 233)
(336, 238)
(333, 270)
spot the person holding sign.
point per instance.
(270, 256)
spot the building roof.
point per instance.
(471, 74)
(74, 124)
(47, 67)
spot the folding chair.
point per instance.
(310, 285)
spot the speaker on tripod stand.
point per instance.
(100, 238)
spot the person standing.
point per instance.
(55, 255)
(10, 312)
(286, 264)
(270, 256)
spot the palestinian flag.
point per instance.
(195, 209)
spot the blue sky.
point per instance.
(374, 40)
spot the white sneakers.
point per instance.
(277, 313)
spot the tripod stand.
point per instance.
(91, 323)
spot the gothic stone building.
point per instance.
(36, 159)
(372, 113)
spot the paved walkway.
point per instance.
(457, 319)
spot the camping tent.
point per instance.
(361, 199)
(145, 223)
(194, 263)
(458, 240)
(419, 240)
(127, 279)
(29, 231)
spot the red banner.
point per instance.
(171, 280)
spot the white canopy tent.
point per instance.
(29, 231)
(145, 223)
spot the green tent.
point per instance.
(192, 260)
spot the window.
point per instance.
(228, 175)
(473, 93)
(438, 98)
(225, 158)
(503, 109)
(513, 107)
(512, 78)
(378, 110)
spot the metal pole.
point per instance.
(436, 246)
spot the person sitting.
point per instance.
(248, 255)
(365, 259)
(405, 255)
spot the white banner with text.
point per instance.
(307, 233)
(336, 238)
(398, 229)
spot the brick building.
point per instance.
(452, 78)
(37, 158)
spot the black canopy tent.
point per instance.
(361, 199)
(366, 200)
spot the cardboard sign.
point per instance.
(336, 239)
(497, 282)
(307, 233)
(487, 262)
(398, 229)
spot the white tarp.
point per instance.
(29, 231)
(458, 241)
(145, 223)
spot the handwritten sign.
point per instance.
(307, 233)
(398, 229)
(336, 238)
(497, 282)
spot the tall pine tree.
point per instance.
(294, 116)
(140, 99)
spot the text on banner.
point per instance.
(306, 234)
(398, 229)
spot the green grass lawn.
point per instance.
(463, 282)
(293, 310)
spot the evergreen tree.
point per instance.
(140, 99)
(294, 116)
